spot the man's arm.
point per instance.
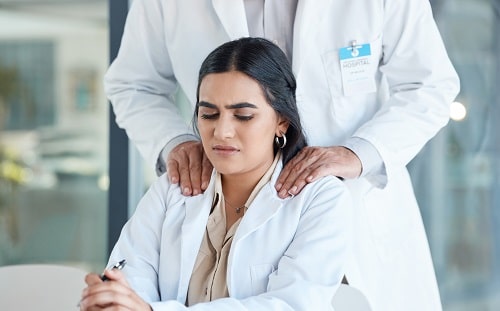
(141, 84)
(421, 83)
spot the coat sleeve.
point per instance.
(312, 267)
(141, 85)
(142, 235)
(421, 83)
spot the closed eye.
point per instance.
(243, 111)
(243, 118)
(207, 116)
(208, 111)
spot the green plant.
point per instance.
(9, 81)
(9, 85)
(11, 170)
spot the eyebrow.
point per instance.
(232, 106)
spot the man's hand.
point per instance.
(188, 165)
(312, 163)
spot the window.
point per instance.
(53, 132)
(456, 177)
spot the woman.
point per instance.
(237, 246)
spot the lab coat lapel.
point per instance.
(233, 17)
(307, 18)
(193, 229)
(264, 207)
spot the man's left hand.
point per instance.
(312, 163)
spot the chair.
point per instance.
(348, 298)
(40, 287)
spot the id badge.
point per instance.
(357, 67)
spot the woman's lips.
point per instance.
(225, 150)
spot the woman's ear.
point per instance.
(282, 126)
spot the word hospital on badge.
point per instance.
(357, 67)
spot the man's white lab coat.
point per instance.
(166, 41)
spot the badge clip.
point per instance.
(354, 48)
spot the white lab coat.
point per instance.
(286, 254)
(165, 42)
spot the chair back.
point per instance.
(40, 287)
(348, 298)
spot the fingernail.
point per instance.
(173, 180)
(186, 190)
(204, 185)
(283, 193)
(293, 190)
(278, 186)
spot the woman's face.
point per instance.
(236, 124)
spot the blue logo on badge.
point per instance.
(355, 50)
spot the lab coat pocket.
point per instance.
(356, 75)
(360, 102)
(260, 277)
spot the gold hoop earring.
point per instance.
(280, 145)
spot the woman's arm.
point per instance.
(140, 241)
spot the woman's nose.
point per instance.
(224, 128)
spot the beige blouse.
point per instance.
(208, 281)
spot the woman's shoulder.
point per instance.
(331, 185)
(171, 195)
(163, 192)
(328, 193)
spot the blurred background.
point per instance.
(54, 145)
(53, 131)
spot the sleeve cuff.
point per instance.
(161, 166)
(371, 161)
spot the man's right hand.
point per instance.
(188, 165)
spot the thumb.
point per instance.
(114, 275)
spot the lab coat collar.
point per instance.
(233, 17)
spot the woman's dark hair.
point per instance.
(266, 63)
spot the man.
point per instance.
(374, 84)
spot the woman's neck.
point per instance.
(238, 187)
(236, 190)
